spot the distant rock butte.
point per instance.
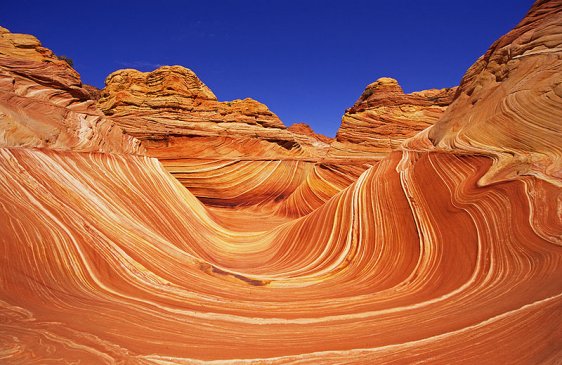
(171, 107)
(305, 129)
(384, 116)
(44, 104)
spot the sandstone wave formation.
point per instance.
(259, 161)
(155, 224)
(508, 103)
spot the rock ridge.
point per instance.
(384, 116)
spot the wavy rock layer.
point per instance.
(509, 103)
(252, 159)
(229, 154)
(285, 187)
(383, 117)
(44, 104)
(275, 255)
(109, 259)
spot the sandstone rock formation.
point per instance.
(107, 258)
(169, 108)
(43, 103)
(384, 116)
(305, 129)
(508, 103)
(133, 268)
(198, 138)
(94, 92)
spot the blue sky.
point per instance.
(307, 60)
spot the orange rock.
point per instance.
(108, 258)
(384, 116)
(274, 257)
(181, 122)
(43, 103)
(172, 101)
(306, 130)
(509, 103)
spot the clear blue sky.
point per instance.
(307, 60)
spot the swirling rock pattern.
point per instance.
(44, 104)
(229, 154)
(246, 154)
(286, 187)
(107, 258)
(384, 116)
(508, 105)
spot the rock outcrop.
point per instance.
(509, 103)
(306, 130)
(44, 104)
(223, 151)
(384, 116)
(171, 107)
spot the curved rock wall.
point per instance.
(509, 103)
(384, 116)
(276, 255)
(109, 259)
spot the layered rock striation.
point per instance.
(132, 268)
(172, 107)
(509, 103)
(44, 104)
(306, 130)
(229, 154)
(107, 258)
(384, 116)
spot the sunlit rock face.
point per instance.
(229, 154)
(172, 107)
(44, 104)
(508, 105)
(305, 129)
(107, 258)
(384, 116)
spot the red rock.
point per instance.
(180, 121)
(305, 129)
(94, 92)
(172, 101)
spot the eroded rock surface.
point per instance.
(171, 105)
(409, 258)
(384, 116)
(509, 103)
(44, 104)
